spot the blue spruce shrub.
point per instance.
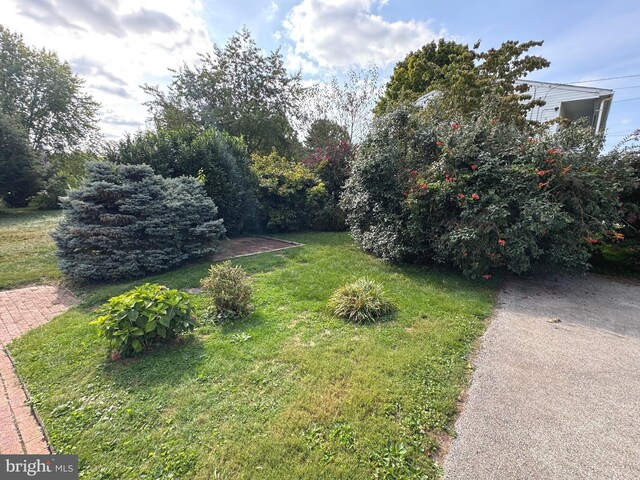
(125, 221)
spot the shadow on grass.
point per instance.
(622, 259)
(187, 276)
(165, 365)
(256, 319)
(173, 363)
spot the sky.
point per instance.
(118, 45)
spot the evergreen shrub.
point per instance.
(19, 168)
(219, 160)
(125, 221)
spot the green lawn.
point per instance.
(26, 249)
(288, 393)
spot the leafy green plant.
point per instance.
(331, 164)
(229, 288)
(289, 193)
(144, 316)
(360, 302)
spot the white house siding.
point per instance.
(555, 94)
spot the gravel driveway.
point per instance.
(556, 390)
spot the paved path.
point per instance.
(243, 246)
(21, 310)
(555, 400)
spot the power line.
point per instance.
(625, 88)
(610, 135)
(603, 79)
(626, 100)
(620, 134)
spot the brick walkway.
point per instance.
(243, 246)
(20, 311)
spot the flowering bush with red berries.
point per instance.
(480, 194)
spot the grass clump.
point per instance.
(229, 289)
(362, 301)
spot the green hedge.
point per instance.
(217, 158)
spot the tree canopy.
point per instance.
(324, 133)
(237, 89)
(18, 172)
(489, 84)
(347, 102)
(468, 80)
(44, 96)
(420, 72)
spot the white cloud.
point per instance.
(271, 11)
(115, 45)
(295, 63)
(338, 33)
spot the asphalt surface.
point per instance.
(556, 389)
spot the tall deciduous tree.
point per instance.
(18, 172)
(420, 71)
(468, 80)
(238, 89)
(44, 96)
(489, 83)
(349, 102)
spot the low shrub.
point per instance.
(229, 289)
(362, 301)
(124, 221)
(481, 195)
(147, 315)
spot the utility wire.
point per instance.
(603, 79)
(626, 100)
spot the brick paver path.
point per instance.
(20, 311)
(242, 246)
